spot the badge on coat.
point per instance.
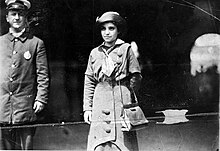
(27, 55)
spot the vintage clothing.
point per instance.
(102, 95)
(24, 77)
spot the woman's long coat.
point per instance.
(104, 99)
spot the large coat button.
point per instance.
(107, 121)
(106, 111)
(107, 130)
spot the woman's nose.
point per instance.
(106, 31)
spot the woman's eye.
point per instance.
(111, 28)
(102, 28)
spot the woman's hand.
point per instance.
(87, 116)
(135, 81)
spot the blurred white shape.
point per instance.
(134, 47)
(208, 40)
(174, 116)
(205, 53)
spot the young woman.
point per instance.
(112, 75)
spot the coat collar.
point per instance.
(118, 42)
(106, 49)
(22, 38)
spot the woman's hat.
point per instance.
(112, 17)
(17, 4)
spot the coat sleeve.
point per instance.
(134, 70)
(135, 81)
(134, 66)
(42, 72)
(89, 87)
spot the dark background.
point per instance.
(164, 31)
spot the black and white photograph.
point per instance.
(109, 75)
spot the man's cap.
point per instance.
(17, 4)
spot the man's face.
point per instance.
(16, 19)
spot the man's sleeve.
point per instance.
(42, 72)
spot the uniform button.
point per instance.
(10, 93)
(13, 65)
(11, 79)
(16, 39)
(14, 52)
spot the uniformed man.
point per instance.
(24, 79)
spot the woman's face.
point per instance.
(109, 33)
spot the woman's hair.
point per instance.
(114, 18)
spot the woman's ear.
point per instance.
(7, 18)
(119, 33)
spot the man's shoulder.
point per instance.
(34, 38)
(3, 36)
